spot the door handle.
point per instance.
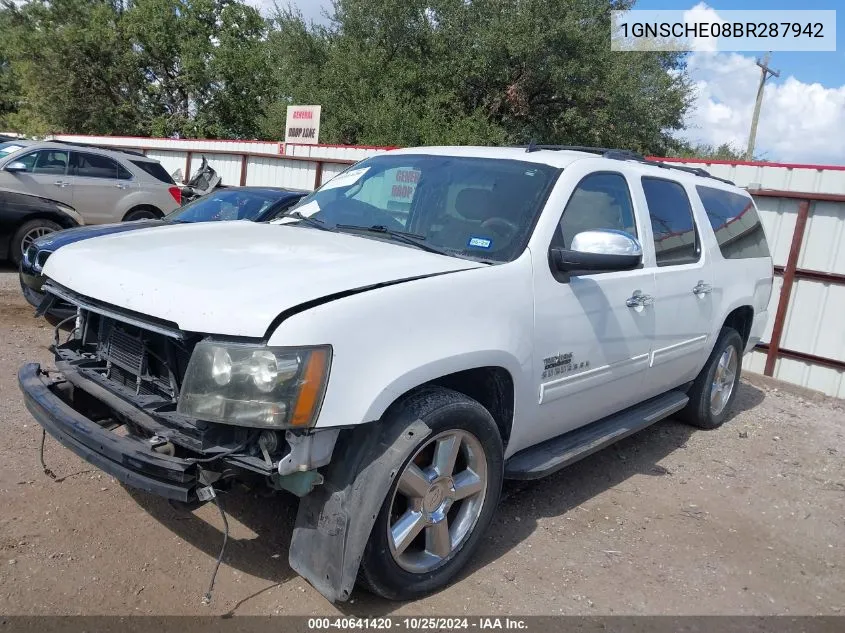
(702, 288)
(639, 300)
(61, 183)
(120, 185)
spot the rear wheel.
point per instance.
(714, 390)
(441, 502)
(28, 233)
(142, 213)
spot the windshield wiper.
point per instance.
(414, 239)
(315, 222)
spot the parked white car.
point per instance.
(428, 323)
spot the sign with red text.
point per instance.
(403, 185)
(303, 124)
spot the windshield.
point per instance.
(225, 204)
(8, 147)
(478, 208)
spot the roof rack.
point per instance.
(623, 154)
(108, 148)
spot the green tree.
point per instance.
(205, 66)
(73, 65)
(487, 71)
(725, 151)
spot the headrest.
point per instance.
(475, 204)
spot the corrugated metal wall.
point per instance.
(809, 350)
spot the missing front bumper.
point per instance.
(128, 459)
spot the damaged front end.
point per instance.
(114, 400)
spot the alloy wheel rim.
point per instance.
(32, 235)
(723, 380)
(437, 501)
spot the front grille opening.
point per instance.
(145, 362)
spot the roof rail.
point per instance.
(624, 154)
(108, 148)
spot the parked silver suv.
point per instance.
(103, 185)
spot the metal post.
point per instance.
(786, 288)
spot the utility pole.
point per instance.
(765, 73)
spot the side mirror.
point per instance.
(15, 166)
(601, 250)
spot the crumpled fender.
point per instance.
(334, 522)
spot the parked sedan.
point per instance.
(25, 217)
(257, 204)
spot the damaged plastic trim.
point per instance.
(334, 522)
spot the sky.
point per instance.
(803, 115)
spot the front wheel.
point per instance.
(27, 234)
(714, 390)
(441, 502)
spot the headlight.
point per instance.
(255, 385)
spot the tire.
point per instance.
(142, 213)
(700, 410)
(26, 233)
(414, 572)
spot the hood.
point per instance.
(233, 278)
(53, 241)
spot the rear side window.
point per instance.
(675, 237)
(155, 170)
(600, 201)
(735, 222)
(96, 166)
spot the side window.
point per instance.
(47, 161)
(735, 222)
(28, 160)
(600, 201)
(123, 173)
(675, 237)
(95, 166)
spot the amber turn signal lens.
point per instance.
(312, 389)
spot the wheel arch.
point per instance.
(740, 318)
(489, 380)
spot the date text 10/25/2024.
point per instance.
(417, 624)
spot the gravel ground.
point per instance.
(747, 519)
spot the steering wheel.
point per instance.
(501, 226)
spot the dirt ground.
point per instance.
(747, 519)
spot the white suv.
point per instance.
(103, 185)
(428, 323)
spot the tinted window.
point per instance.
(46, 161)
(95, 166)
(675, 238)
(224, 204)
(735, 223)
(155, 170)
(600, 201)
(465, 206)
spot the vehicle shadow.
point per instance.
(272, 518)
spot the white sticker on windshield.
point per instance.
(308, 209)
(345, 179)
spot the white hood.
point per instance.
(232, 278)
